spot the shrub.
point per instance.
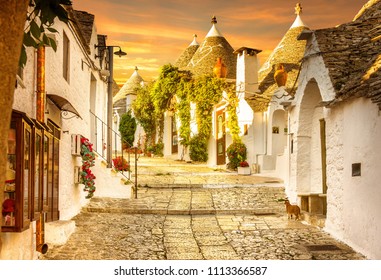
(198, 149)
(127, 128)
(157, 149)
(236, 153)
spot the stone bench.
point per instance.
(314, 203)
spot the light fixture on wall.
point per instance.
(120, 53)
(110, 52)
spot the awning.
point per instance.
(63, 104)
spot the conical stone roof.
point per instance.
(212, 47)
(188, 53)
(289, 52)
(129, 87)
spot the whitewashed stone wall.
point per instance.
(361, 195)
(78, 92)
(353, 130)
(315, 76)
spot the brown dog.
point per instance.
(292, 210)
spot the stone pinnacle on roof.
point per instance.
(213, 32)
(188, 53)
(194, 42)
(298, 21)
(298, 9)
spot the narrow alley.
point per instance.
(191, 212)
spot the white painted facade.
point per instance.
(353, 130)
(86, 90)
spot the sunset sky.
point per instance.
(155, 32)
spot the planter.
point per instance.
(244, 170)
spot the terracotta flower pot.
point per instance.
(220, 69)
(280, 75)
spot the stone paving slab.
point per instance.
(214, 215)
(106, 236)
(256, 200)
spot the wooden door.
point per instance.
(221, 137)
(175, 146)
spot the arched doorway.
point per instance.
(311, 153)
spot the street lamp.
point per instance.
(110, 52)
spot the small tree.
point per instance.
(144, 111)
(127, 128)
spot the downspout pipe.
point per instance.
(40, 95)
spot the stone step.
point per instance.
(162, 211)
(314, 219)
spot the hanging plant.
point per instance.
(87, 177)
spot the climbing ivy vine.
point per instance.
(174, 91)
(163, 93)
(207, 92)
(232, 113)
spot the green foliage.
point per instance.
(184, 108)
(163, 93)
(157, 149)
(87, 178)
(41, 19)
(237, 153)
(127, 128)
(198, 148)
(232, 114)
(170, 93)
(144, 111)
(207, 93)
(174, 91)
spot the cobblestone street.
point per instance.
(190, 212)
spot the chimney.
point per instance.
(247, 70)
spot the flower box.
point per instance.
(244, 170)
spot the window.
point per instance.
(17, 204)
(53, 213)
(31, 184)
(66, 57)
(38, 163)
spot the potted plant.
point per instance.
(121, 164)
(244, 168)
(236, 153)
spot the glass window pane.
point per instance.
(37, 176)
(27, 158)
(46, 171)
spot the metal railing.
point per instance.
(99, 139)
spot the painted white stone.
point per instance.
(353, 130)
(86, 91)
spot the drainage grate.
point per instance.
(325, 247)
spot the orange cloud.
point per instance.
(154, 32)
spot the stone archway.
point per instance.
(310, 139)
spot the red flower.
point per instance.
(244, 164)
